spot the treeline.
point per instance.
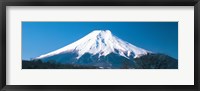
(39, 64)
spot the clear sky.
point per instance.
(43, 37)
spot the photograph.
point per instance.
(99, 45)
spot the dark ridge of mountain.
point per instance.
(156, 61)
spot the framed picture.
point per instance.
(99, 45)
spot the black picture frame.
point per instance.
(4, 3)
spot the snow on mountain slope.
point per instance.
(100, 42)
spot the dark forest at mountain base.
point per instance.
(150, 61)
(48, 65)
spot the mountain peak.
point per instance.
(101, 43)
(105, 34)
(102, 32)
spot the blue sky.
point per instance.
(43, 37)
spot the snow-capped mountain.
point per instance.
(101, 42)
(102, 49)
